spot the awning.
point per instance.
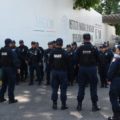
(111, 19)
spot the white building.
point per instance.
(46, 20)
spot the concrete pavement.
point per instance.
(35, 104)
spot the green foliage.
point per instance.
(107, 7)
(85, 3)
(117, 26)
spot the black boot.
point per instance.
(54, 105)
(116, 116)
(2, 100)
(95, 107)
(79, 107)
(13, 101)
(64, 106)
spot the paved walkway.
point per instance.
(35, 104)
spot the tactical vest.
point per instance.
(59, 61)
(87, 55)
(6, 57)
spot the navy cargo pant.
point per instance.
(8, 81)
(103, 75)
(48, 71)
(35, 67)
(59, 79)
(87, 74)
(114, 95)
(23, 71)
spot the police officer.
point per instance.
(34, 60)
(109, 56)
(70, 70)
(9, 63)
(54, 44)
(87, 57)
(58, 62)
(102, 66)
(14, 48)
(114, 80)
(14, 45)
(74, 49)
(22, 54)
(46, 59)
(41, 50)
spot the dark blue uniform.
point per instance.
(9, 63)
(75, 65)
(109, 56)
(58, 62)
(35, 60)
(14, 49)
(47, 69)
(22, 55)
(70, 70)
(103, 68)
(87, 57)
(114, 77)
(41, 65)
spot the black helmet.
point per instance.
(8, 41)
(59, 41)
(87, 36)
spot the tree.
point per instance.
(85, 3)
(107, 7)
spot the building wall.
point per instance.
(45, 20)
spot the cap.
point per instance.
(68, 46)
(53, 42)
(8, 41)
(59, 41)
(74, 43)
(21, 41)
(49, 43)
(13, 42)
(86, 36)
(118, 47)
(102, 46)
(33, 43)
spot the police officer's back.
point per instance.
(58, 62)
(9, 63)
(87, 57)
